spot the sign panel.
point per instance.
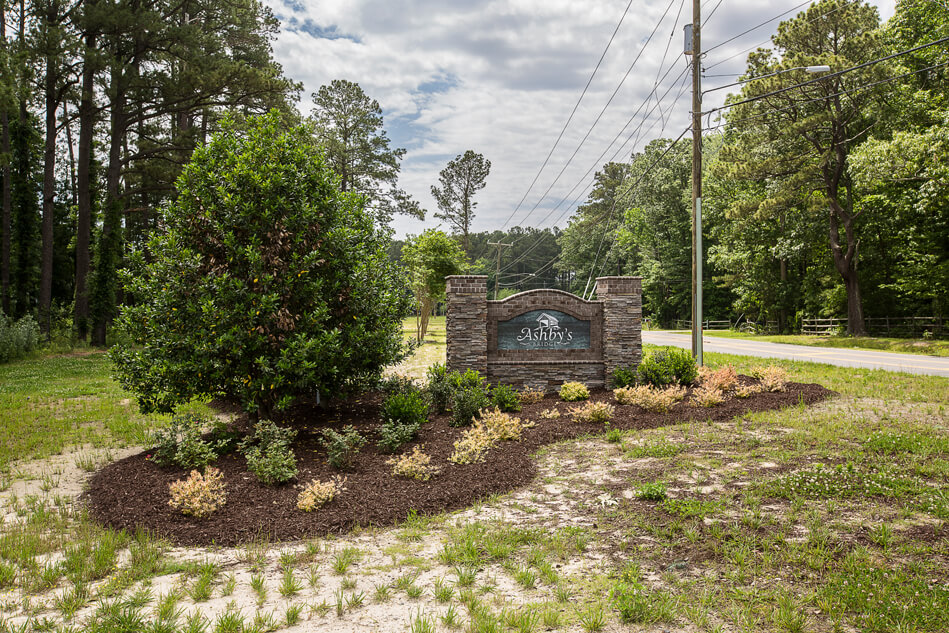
(544, 329)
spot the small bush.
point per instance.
(530, 396)
(667, 366)
(772, 378)
(396, 384)
(268, 453)
(17, 338)
(623, 376)
(469, 395)
(550, 414)
(273, 464)
(746, 391)
(198, 495)
(574, 391)
(724, 379)
(502, 425)
(407, 408)
(650, 398)
(473, 445)
(342, 447)
(393, 435)
(180, 443)
(318, 493)
(651, 492)
(505, 398)
(596, 412)
(415, 465)
(707, 396)
(438, 388)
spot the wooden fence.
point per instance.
(898, 327)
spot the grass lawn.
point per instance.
(927, 347)
(834, 517)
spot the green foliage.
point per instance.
(342, 447)
(429, 258)
(267, 284)
(654, 491)
(506, 398)
(439, 387)
(574, 391)
(666, 366)
(397, 384)
(17, 338)
(469, 395)
(269, 454)
(624, 376)
(180, 443)
(461, 179)
(402, 414)
(841, 482)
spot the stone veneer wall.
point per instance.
(466, 322)
(615, 332)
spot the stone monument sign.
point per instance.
(543, 338)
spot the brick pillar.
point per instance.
(467, 322)
(622, 299)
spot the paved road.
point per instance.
(912, 363)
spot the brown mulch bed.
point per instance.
(133, 492)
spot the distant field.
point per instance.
(903, 345)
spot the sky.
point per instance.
(502, 77)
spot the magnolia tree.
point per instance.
(265, 284)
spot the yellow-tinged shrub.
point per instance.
(493, 427)
(573, 391)
(706, 396)
(598, 412)
(198, 495)
(414, 465)
(746, 391)
(724, 379)
(317, 493)
(649, 397)
(530, 396)
(772, 378)
(550, 414)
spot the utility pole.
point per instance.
(695, 49)
(497, 274)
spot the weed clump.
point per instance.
(415, 465)
(318, 493)
(595, 412)
(650, 398)
(651, 492)
(574, 391)
(550, 414)
(198, 495)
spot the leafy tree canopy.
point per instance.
(462, 178)
(429, 258)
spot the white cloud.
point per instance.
(507, 74)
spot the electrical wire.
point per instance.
(758, 26)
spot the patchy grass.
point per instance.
(431, 351)
(928, 347)
(834, 517)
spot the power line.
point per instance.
(602, 111)
(830, 76)
(746, 32)
(572, 112)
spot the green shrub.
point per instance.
(265, 284)
(180, 443)
(438, 388)
(268, 453)
(395, 384)
(393, 435)
(667, 366)
(625, 376)
(573, 391)
(506, 398)
(406, 408)
(469, 395)
(17, 338)
(342, 447)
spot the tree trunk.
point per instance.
(84, 190)
(426, 313)
(49, 196)
(846, 263)
(6, 223)
(783, 311)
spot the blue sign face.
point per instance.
(544, 329)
